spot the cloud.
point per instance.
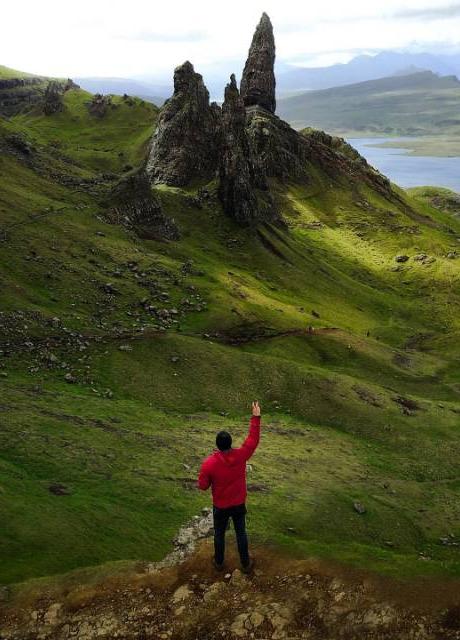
(430, 13)
(156, 36)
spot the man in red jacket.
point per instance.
(225, 472)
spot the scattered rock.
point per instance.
(59, 489)
(359, 508)
(182, 593)
(53, 614)
(402, 258)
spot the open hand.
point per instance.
(255, 408)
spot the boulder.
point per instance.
(134, 204)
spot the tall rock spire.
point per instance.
(258, 81)
(236, 191)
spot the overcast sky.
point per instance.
(129, 38)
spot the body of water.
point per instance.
(406, 170)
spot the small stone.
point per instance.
(401, 258)
(359, 508)
(182, 593)
(237, 578)
(53, 614)
(58, 489)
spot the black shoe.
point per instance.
(247, 568)
(217, 566)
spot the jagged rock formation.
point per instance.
(20, 94)
(239, 183)
(186, 141)
(53, 102)
(258, 81)
(99, 105)
(133, 204)
(235, 172)
(245, 144)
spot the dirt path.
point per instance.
(184, 598)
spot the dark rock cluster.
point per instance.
(52, 101)
(244, 144)
(20, 94)
(186, 142)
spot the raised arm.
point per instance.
(252, 440)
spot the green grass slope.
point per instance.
(121, 357)
(418, 104)
(6, 73)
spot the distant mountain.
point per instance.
(363, 68)
(416, 104)
(155, 93)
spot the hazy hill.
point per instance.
(419, 103)
(118, 86)
(365, 67)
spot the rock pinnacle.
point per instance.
(258, 81)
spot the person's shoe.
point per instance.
(248, 567)
(217, 566)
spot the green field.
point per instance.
(112, 407)
(420, 104)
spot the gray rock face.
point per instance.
(186, 142)
(243, 186)
(258, 81)
(236, 190)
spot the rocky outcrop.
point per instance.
(184, 598)
(245, 144)
(133, 204)
(20, 94)
(244, 194)
(52, 101)
(187, 139)
(236, 190)
(99, 105)
(258, 81)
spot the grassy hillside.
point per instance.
(6, 73)
(121, 357)
(417, 104)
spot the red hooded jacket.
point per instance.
(225, 471)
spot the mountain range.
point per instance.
(290, 79)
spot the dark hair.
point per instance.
(223, 440)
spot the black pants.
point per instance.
(221, 518)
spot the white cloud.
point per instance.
(119, 38)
